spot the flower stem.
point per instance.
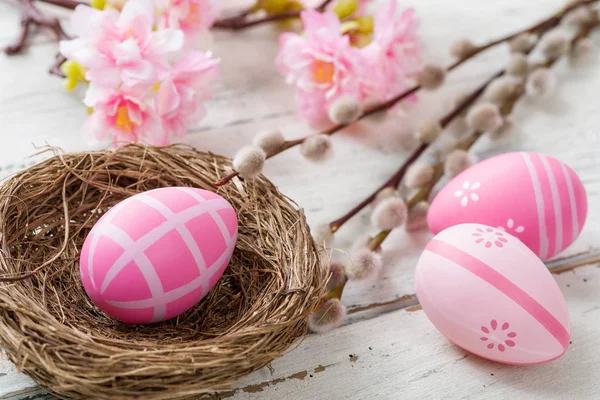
(541, 26)
(241, 21)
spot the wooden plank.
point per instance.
(252, 96)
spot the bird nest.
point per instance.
(54, 333)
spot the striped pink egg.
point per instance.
(532, 196)
(156, 254)
(491, 295)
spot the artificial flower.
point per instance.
(121, 48)
(395, 50)
(193, 17)
(322, 64)
(126, 117)
(179, 99)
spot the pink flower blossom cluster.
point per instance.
(143, 86)
(323, 65)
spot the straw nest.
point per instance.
(53, 332)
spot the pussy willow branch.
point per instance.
(543, 25)
(466, 144)
(241, 21)
(394, 181)
(32, 16)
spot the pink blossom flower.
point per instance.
(126, 117)
(179, 98)
(121, 48)
(395, 50)
(193, 17)
(321, 64)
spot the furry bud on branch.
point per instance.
(429, 131)
(249, 161)
(365, 265)
(269, 140)
(518, 65)
(317, 148)
(389, 214)
(522, 43)
(431, 77)
(463, 48)
(328, 316)
(502, 89)
(554, 44)
(541, 83)
(457, 162)
(418, 175)
(484, 117)
(323, 236)
(344, 111)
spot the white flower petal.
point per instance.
(510, 223)
(474, 197)
(459, 193)
(520, 229)
(476, 186)
(166, 41)
(464, 201)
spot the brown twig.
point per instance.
(466, 144)
(394, 181)
(544, 25)
(241, 21)
(32, 16)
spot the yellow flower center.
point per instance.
(323, 71)
(123, 120)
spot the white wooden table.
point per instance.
(387, 349)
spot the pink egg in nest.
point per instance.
(534, 197)
(157, 254)
(491, 295)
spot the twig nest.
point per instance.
(389, 214)
(428, 131)
(502, 89)
(457, 162)
(328, 316)
(463, 48)
(336, 274)
(366, 264)
(484, 117)
(269, 141)
(417, 217)
(317, 148)
(431, 77)
(323, 236)
(253, 314)
(518, 65)
(503, 130)
(554, 44)
(418, 175)
(249, 161)
(522, 43)
(540, 83)
(344, 110)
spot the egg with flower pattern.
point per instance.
(534, 197)
(154, 255)
(491, 295)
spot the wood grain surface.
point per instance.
(387, 348)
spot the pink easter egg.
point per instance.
(488, 293)
(532, 196)
(156, 254)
